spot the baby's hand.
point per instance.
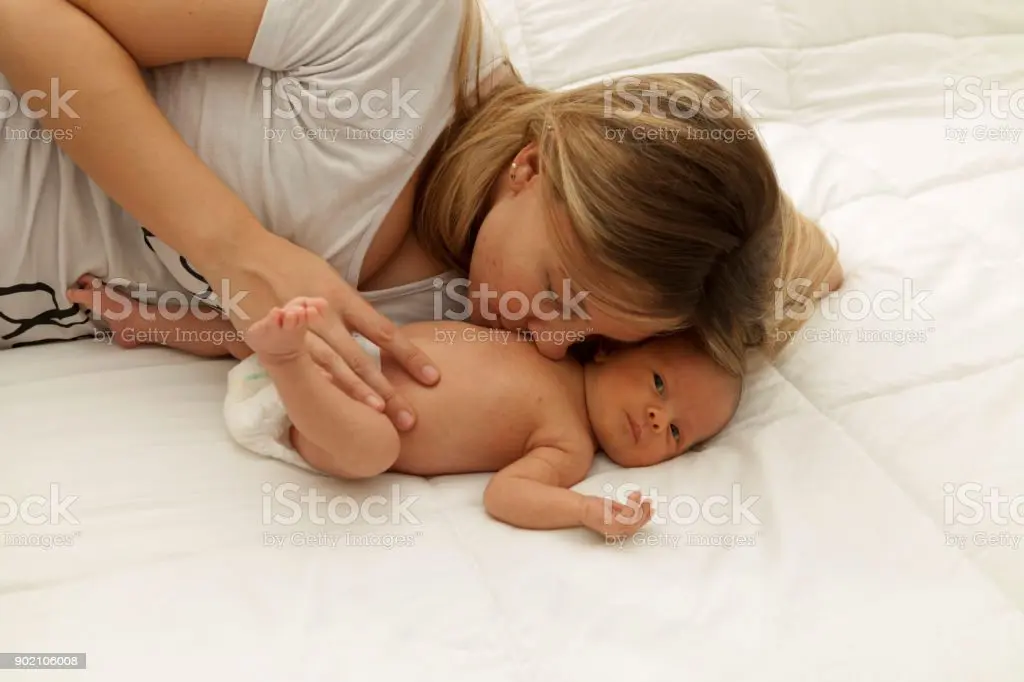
(118, 310)
(615, 519)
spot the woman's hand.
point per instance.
(268, 271)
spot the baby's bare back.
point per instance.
(495, 392)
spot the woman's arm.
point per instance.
(123, 142)
(119, 137)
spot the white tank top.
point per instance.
(318, 131)
(339, 103)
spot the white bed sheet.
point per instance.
(853, 573)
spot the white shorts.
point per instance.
(255, 415)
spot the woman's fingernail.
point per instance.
(375, 402)
(404, 420)
(430, 374)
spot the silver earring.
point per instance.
(512, 173)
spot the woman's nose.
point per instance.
(552, 350)
(551, 339)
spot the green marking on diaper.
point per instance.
(256, 375)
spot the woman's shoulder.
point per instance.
(338, 102)
(317, 38)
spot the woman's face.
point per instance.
(517, 281)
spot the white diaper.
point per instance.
(255, 415)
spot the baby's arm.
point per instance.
(534, 493)
(334, 433)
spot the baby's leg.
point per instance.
(334, 433)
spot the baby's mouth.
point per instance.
(634, 429)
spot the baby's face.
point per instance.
(654, 402)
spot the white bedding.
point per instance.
(846, 442)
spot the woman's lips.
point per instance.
(634, 428)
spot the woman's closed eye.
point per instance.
(550, 293)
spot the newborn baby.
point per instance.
(500, 407)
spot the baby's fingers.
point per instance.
(631, 516)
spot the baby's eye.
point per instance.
(659, 385)
(675, 431)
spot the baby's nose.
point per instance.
(656, 417)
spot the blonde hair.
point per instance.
(671, 196)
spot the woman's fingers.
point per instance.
(361, 317)
(342, 375)
(366, 368)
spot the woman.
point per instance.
(269, 145)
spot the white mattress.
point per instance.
(847, 441)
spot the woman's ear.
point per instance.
(527, 163)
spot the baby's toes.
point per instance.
(292, 320)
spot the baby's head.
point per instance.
(650, 402)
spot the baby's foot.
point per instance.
(281, 335)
